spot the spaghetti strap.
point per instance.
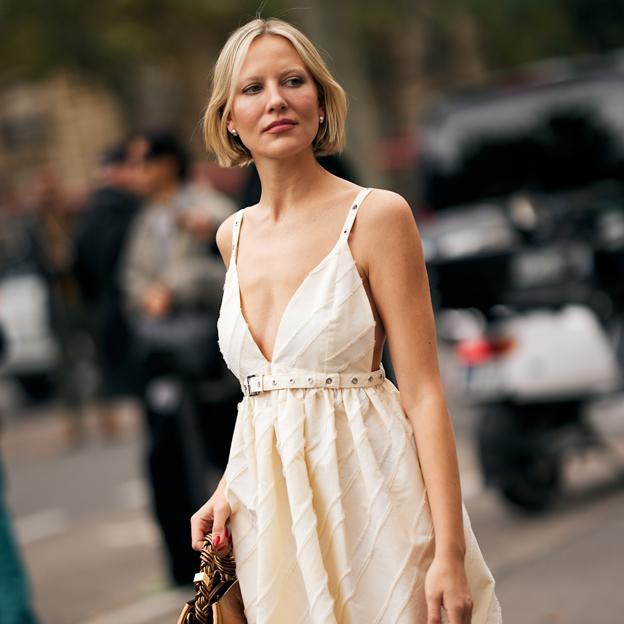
(238, 218)
(361, 196)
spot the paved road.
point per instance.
(93, 554)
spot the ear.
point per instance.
(230, 123)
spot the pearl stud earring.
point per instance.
(321, 119)
(233, 133)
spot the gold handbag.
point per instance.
(218, 598)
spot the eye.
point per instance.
(294, 81)
(251, 89)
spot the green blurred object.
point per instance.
(14, 590)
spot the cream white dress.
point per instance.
(330, 518)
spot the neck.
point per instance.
(287, 183)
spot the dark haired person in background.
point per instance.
(173, 283)
(168, 263)
(98, 246)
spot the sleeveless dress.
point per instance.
(330, 519)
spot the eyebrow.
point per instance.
(288, 70)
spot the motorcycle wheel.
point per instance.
(517, 460)
(534, 487)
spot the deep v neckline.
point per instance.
(344, 235)
(284, 312)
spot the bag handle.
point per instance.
(217, 573)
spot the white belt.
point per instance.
(257, 383)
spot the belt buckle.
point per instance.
(249, 391)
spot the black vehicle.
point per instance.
(525, 182)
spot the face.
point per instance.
(276, 109)
(129, 174)
(158, 173)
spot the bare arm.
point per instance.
(400, 288)
(396, 271)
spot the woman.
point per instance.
(331, 518)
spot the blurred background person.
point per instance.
(54, 215)
(173, 283)
(99, 242)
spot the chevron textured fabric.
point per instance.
(330, 518)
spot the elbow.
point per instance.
(427, 399)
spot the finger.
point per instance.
(220, 537)
(228, 538)
(433, 611)
(201, 523)
(460, 614)
(456, 615)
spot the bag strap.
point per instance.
(217, 574)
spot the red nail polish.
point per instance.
(217, 540)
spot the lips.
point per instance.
(280, 123)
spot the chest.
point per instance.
(273, 262)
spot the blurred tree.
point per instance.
(598, 24)
(155, 55)
(107, 38)
(332, 27)
(513, 32)
(110, 41)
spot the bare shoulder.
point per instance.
(224, 238)
(385, 233)
(386, 214)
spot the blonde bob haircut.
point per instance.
(228, 149)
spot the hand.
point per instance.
(446, 586)
(156, 300)
(212, 516)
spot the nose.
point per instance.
(276, 101)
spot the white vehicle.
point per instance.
(32, 353)
(531, 360)
(525, 251)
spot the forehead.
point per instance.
(269, 53)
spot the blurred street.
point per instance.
(94, 557)
(82, 516)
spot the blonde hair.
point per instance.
(229, 149)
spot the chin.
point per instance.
(286, 149)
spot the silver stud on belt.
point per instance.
(258, 383)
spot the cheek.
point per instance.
(246, 111)
(307, 102)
